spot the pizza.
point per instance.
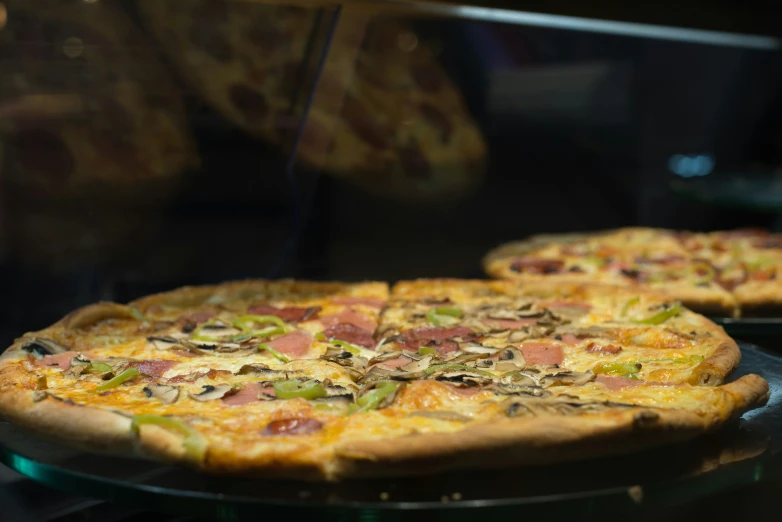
(385, 115)
(325, 381)
(722, 273)
(91, 126)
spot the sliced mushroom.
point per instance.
(385, 356)
(78, 365)
(522, 407)
(464, 378)
(464, 358)
(473, 347)
(377, 373)
(210, 393)
(510, 359)
(337, 392)
(505, 388)
(163, 343)
(441, 415)
(521, 378)
(166, 393)
(417, 366)
(43, 347)
(567, 378)
(484, 364)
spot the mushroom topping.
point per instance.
(441, 415)
(385, 356)
(485, 364)
(464, 378)
(520, 378)
(567, 378)
(506, 388)
(43, 347)
(78, 365)
(467, 357)
(522, 407)
(417, 366)
(510, 359)
(163, 343)
(344, 358)
(339, 392)
(377, 373)
(473, 347)
(166, 394)
(210, 393)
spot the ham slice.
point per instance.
(615, 383)
(350, 333)
(153, 367)
(510, 323)
(542, 353)
(244, 396)
(301, 426)
(373, 302)
(432, 337)
(60, 360)
(349, 316)
(290, 313)
(603, 349)
(295, 344)
(575, 306)
(569, 338)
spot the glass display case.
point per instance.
(149, 144)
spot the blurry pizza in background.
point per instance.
(92, 127)
(385, 115)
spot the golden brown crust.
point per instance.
(726, 358)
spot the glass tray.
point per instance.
(742, 454)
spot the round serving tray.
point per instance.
(741, 454)
(750, 326)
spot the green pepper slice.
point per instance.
(444, 315)
(426, 350)
(346, 346)
(662, 316)
(621, 369)
(690, 359)
(194, 443)
(372, 399)
(701, 273)
(320, 336)
(99, 368)
(453, 367)
(197, 334)
(245, 323)
(118, 379)
(277, 355)
(306, 390)
(629, 304)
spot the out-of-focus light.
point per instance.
(691, 166)
(3, 15)
(407, 41)
(73, 47)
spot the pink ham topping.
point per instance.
(295, 344)
(569, 305)
(510, 323)
(431, 337)
(393, 364)
(542, 353)
(349, 316)
(615, 383)
(153, 367)
(60, 360)
(244, 396)
(374, 302)
(603, 348)
(303, 426)
(350, 333)
(290, 313)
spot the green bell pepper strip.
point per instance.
(266, 332)
(346, 346)
(99, 368)
(372, 399)
(320, 336)
(245, 322)
(194, 443)
(629, 304)
(426, 350)
(277, 355)
(444, 315)
(621, 369)
(118, 379)
(306, 390)
(198, 336)
(453, 367)
(697, 278)
(662, 316)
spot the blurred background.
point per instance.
(147, 144)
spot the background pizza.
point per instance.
(724, 273)
(385, 114)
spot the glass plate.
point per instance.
(741, 454)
